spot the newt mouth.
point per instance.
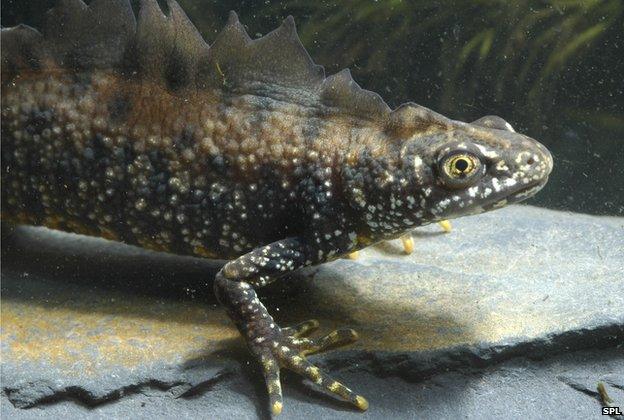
(527, 191)
(522, 194)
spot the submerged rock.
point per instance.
(96, 322)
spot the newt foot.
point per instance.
(288, 348)
(408, 243)
(407, 240)
(353, 255)
(445, 225)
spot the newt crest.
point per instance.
(135, 129)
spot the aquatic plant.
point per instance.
(483, 54)
(530, 59)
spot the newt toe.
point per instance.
(134, 128)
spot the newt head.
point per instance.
(436, 168)
(469, 168)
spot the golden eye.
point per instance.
(460, 169)
(460, 166)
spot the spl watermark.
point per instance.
(611, 411)
(608, 409)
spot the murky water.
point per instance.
(553, 69)
(101, 312)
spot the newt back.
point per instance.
(140, 132)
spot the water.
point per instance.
(552, 69)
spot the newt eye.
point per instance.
(460, 169)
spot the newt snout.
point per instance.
(243, 150)
(532, 168)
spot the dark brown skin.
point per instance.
(271, 175)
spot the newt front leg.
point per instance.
(276, 347)
(408, 240)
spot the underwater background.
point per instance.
(553, 68)
(516, 313)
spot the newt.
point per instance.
(132, 128)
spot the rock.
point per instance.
(114, 327)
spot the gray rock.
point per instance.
(516, 389)
(98, 329)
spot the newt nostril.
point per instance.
(530, 161)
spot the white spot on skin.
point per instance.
(510, 182)
(487, 152)
(472, 191)
(502, 166)
(496, 184)
(417, 162)
(521, 156)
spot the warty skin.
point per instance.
(207, 153)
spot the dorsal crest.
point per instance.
(167, 48)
